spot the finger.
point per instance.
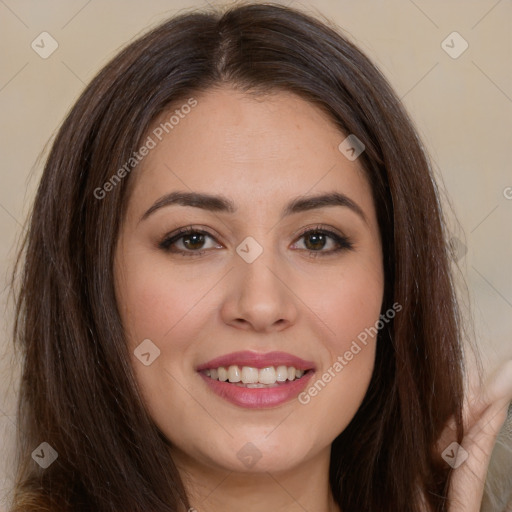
(497, 391)
(471, 461)
(499, 388)
(484, 421)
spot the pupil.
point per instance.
(198, 239)
(320, 239)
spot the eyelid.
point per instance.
(319, 227)
(343, 242)
(176, 235)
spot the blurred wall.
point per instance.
(449, 61)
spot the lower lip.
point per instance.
(258, 398)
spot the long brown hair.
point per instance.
(78, 392)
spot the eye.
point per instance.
(316, 239)
(192, 242)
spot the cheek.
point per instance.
(352, 310)
(347, 302)
(175, 307)
(349, 310)
(165, 307)
(155, 301)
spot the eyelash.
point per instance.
(344, 243)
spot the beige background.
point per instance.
(462, 108)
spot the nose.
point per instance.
(259, 296)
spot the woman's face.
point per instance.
(268, 268)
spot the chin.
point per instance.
(246, 455)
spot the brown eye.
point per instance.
(192, 242)
(316, 240)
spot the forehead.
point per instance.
(251, 148)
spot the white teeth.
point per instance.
(254, 377)
(249, 375)
(282, 373)
(267, 375)
(222, 374)
(234, 374)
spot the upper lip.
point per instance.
(257, 360)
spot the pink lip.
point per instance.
(257, 398)
(257, 360)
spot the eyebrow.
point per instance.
(220, 203)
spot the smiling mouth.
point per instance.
(254, 378)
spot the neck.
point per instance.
(214, 489)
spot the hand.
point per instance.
(483, 419)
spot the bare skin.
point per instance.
(484, 415)
(197, 299)
(298, 296)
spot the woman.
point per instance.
(237, 290)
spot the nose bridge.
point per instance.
(259, 269)
(258, 296)
(261, 275)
